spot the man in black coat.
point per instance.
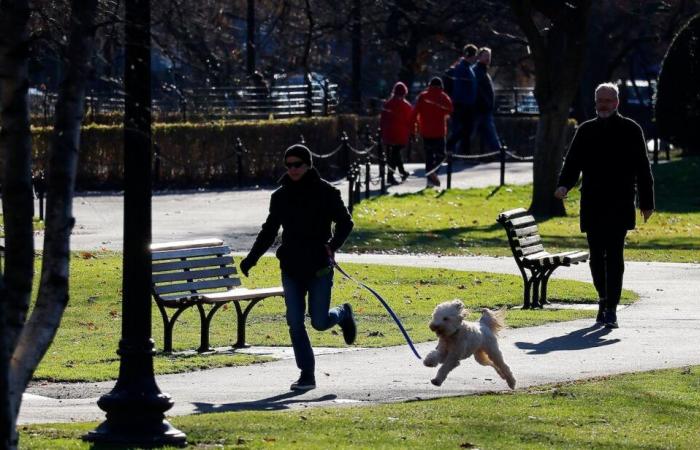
(611, 153)
(306, 206)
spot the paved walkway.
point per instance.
(659, 331)
(234, 215)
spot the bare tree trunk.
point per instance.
(549, 152)
(558, 52)
(17, 201)
(250, 49)
(356, 35)
(39, 331)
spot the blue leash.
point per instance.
(386, 306)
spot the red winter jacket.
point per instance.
(395, 121)
(433, 107)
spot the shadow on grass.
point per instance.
(576, 340)
(275, 403)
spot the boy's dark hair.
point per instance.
(470, 50)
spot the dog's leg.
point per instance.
(501, 367)
(437, 356)
(483, 358)
(442, 372)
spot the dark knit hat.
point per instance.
(300, 151)
(436, 82)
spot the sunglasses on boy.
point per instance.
(294, 164)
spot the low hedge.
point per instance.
(204, 154)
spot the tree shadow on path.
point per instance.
(275, 403)
(584, 338)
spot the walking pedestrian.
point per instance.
(433, 107)
(306, 206)
(611, 154)
(484, 123)
(462, 82)
(395, 123)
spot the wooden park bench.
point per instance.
(529, 254)
(200, 273)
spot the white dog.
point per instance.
(459, 339)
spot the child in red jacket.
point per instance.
(395, 123)
(433, 107)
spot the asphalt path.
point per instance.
(659, 331)
(233, 215)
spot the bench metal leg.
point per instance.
(242, 316)
(526, 294)
(536, 280)
(168, 325)
(545, 280)
(205, 323)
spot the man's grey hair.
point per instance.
(609, 87)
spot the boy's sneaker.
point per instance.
(600, 317)
(611, 318)
(306, 382)
(348, 325)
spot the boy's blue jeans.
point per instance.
(319, 300)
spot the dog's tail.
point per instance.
(495, 320)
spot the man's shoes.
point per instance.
(392, 181)
(306, 382)
(404, 175)
(348, 325)
(611, 318)
(600, 317)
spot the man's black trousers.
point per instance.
(607, 263)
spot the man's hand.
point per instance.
(646, 213)
(561, 192)
(245, 266)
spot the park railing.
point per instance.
(211, 103)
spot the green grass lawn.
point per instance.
(85, 346)
(658, 409)
(463, 222)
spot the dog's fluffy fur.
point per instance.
(459, 339)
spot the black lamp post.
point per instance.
(135, 407)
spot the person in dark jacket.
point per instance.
(484, 123)
(306, 206)
(462, 81)
(611, 154)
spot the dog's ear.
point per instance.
(459, 306)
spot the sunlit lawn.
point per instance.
(646, 410)
(84, 348)
(463, 222)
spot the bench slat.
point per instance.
(521, 222)
(576, 258)
(197, 285)
(529, 240)
(529, 250)
(191, 264)
(190, 252)
(193, 274)
(242, 294)
(506, 215)
(195, 243)
(520, 232)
